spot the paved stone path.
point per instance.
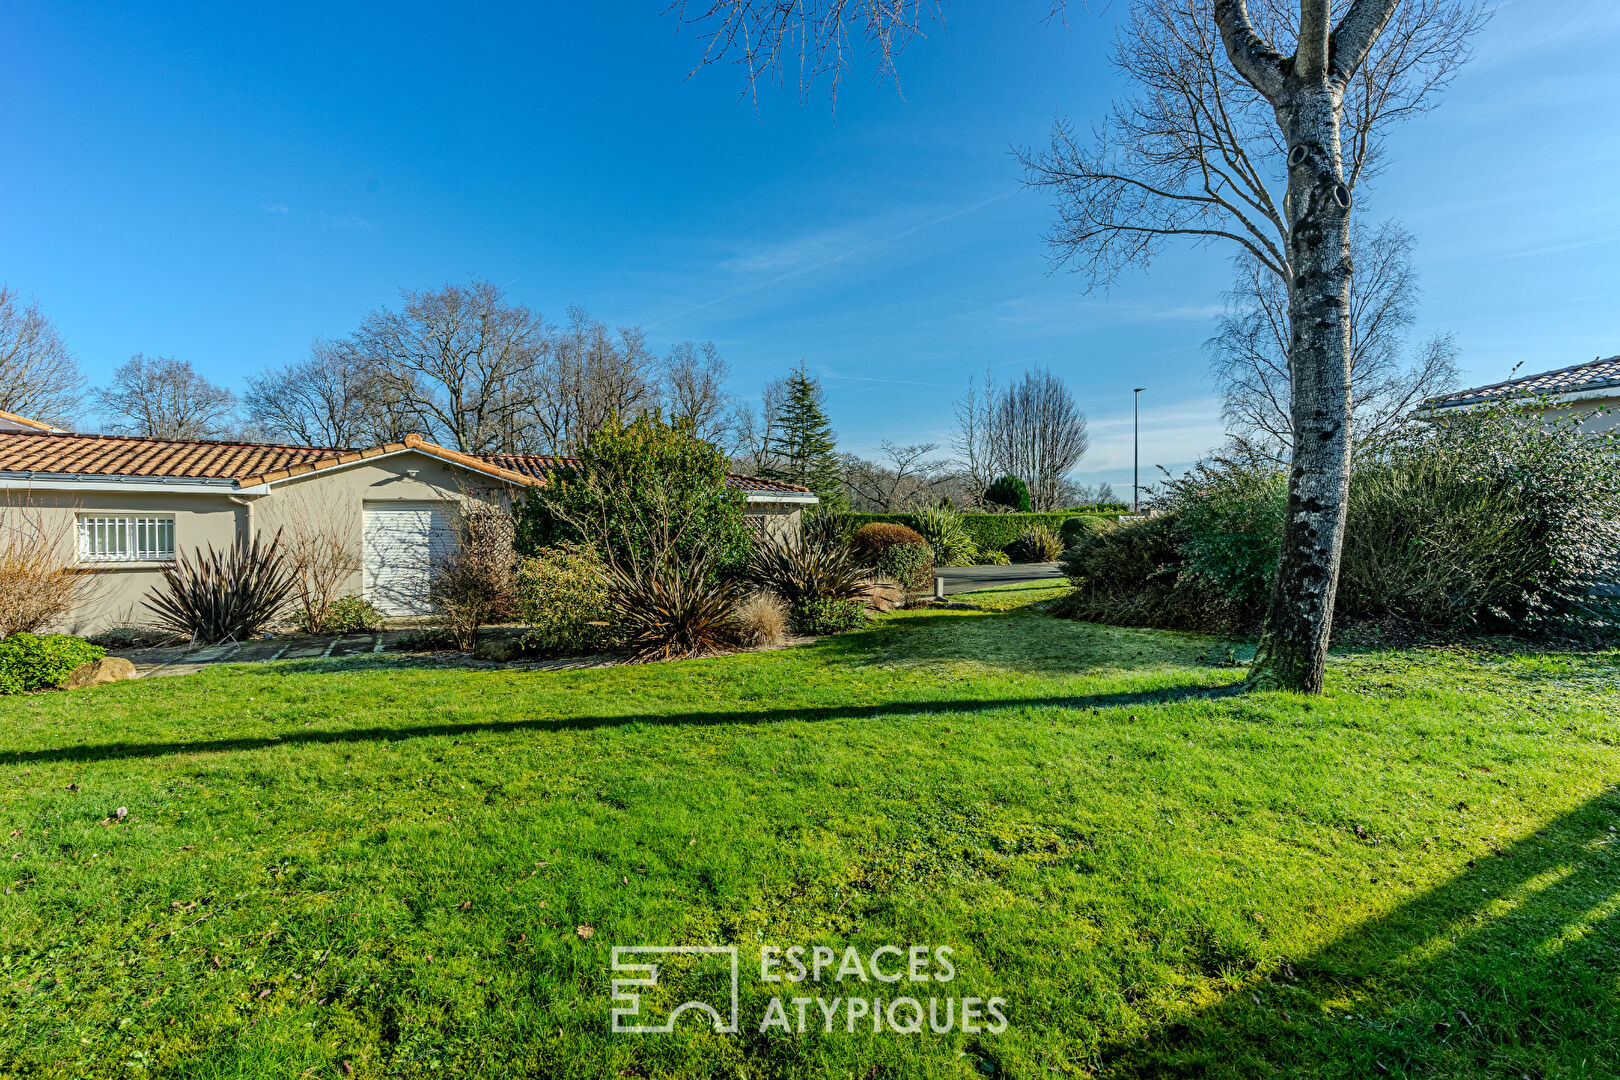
(178, 660)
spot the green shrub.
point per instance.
(1078, 526)
(1131, 574)
(30, 662)
(1008, 491)
(1035, 545)
(988, 532)
(942, 527)
(642, 494)
(821, 617)
(1500, 519)
(1231, 522)
(345, 615)
(992, 558)
(564, 599)
(911, 565)
(870, 541)
(895, 551)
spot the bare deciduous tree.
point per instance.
(765, 37)
(165, 398)
(693, 379)
(1249, 352)
(906, 475)
(39, 377)
(753, 434)
(462, 357)
(1032, 429)
(319, 401)
(1234, 99)
(588, 376)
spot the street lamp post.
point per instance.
(1136, 449)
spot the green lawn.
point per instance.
(371, 868)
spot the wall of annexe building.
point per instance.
(218, 516)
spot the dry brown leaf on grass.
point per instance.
(584, 931)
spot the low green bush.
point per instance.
(822, 617)
(1079, 526)
(911, 565)
(345, 615)
(992, 558)
(988, 532)
(1504, 519)
(41, 662)
(565, 600)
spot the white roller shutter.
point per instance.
(403, 542)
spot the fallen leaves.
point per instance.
(584, 931)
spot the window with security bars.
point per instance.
(126, 538)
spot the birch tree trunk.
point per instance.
(1307, 93)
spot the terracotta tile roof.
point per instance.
(119, 455)
(1592, 375)
(538, 467)
(251, 464)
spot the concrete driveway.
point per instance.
(960, 579)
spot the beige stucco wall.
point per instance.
(215, 518)
(218, 517)
(1601, 414)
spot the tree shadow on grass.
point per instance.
(395, 733)
(1510, 969)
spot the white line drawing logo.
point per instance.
(632, 1000)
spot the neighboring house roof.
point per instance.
(1600, 374)
(13, 422)
(247, 465)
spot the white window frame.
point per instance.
(125, 538)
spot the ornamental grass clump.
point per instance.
(942, 527)
(675, 610)
(1035, 545)
(224, 595)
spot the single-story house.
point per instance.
(1590, 390)
(129, 505)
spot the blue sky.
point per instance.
(224, 183)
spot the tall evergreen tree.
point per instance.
(803, 449)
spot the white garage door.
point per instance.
(404, 541)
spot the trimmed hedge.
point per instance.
(989, 532)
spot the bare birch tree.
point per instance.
(164, 398)
(1233, 101)
(1249, 352)
(39, 376)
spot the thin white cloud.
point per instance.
(771, 265)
